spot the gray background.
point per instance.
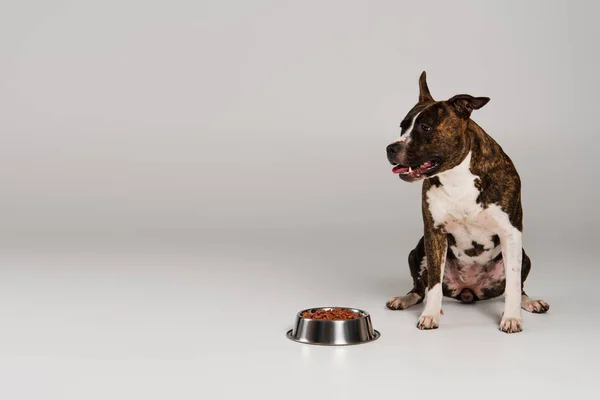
(179, 178)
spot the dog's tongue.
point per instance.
(399, 169)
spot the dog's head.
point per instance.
(433, 138)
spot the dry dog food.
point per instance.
(331, 314)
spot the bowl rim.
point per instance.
(363, 314)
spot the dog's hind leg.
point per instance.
(533, 306)
(418, 270)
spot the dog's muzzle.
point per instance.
(393, 150)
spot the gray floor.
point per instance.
(205, 318)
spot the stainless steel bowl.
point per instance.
(333, 332)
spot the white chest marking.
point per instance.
(455, 201)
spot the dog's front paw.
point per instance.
(428, 322)
(403, 302)
(511, 325)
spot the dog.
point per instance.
(471, 203)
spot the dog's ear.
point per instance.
(464, 104)
(424, 95)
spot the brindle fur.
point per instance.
(436, 244)
(420, 279)
(500, 183)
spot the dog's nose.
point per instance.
(393, 148)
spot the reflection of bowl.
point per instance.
(339, 332)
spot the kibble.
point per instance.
(331, 314)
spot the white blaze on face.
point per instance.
(405, 136)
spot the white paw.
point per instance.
(403, 302)
(428, 322)
(511, 325)
(536, 306)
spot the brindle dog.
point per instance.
(471, 203)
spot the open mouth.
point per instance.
(416, 171)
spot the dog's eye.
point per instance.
(425, 128)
